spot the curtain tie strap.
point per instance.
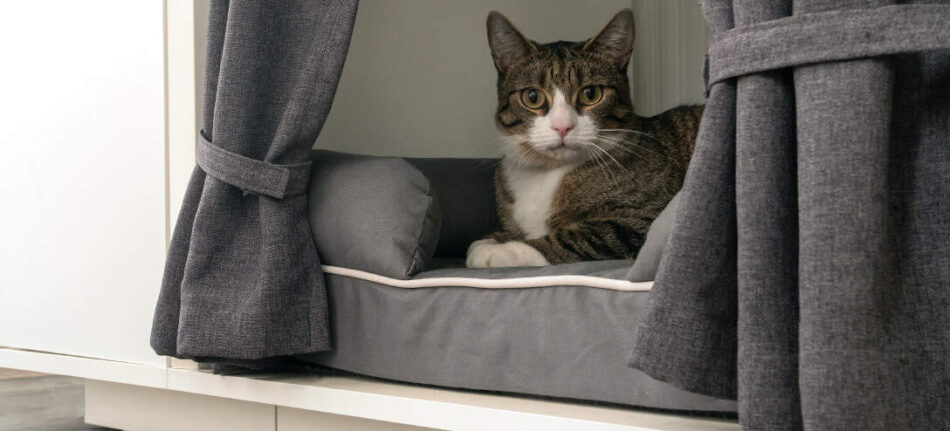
(828, 36)
(251, 175)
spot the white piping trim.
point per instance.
(500, 283)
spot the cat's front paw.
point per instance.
(488, 253)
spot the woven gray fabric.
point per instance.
(612, 269)
(648, 258)
(250, 175)
(808, 273)
(560, 341)
(820, 37)
(465, 189)
(376, 214)
(242, 279)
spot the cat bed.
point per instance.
(556, 331)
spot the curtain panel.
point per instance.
(242, 280)
(808, 273)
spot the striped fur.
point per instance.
(604, 206)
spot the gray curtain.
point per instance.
(808, 273)
(242, 280)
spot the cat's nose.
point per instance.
(562, 130)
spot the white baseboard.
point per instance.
(87, 368)
(130, 396)
(429, 407)
(137, 408)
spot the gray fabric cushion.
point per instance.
(563, 341)
(465, 190)
(375, 214)
(613, 269)
(648, 259)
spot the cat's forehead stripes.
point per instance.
(560, 64)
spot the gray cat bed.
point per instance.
(392, 234)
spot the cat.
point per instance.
(582, 177)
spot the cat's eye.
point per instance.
(590, 95)
(531, 98)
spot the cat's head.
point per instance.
(558, 101)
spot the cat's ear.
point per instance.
(615, 41)
(508, 45)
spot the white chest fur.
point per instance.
(533, 191)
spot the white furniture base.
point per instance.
(138, 408)
(143, 397)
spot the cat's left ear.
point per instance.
(616, 39)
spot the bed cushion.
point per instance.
(556, 331)
(648, 259)
(375, 214)
(562, 338)
(465, 189)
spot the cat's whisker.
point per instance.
(638, 152)
(526, 156)
(649, 136)
(628, 145)
(626, 132)
(619, 165)
(608, 173)
(606, 153)
(621, 147)
(603, 164)
(631, 131)
(591, 157)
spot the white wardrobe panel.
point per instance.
(82, 176)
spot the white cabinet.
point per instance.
(82, 176)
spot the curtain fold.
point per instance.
(242, 280)
(808, 274)
(687, 337)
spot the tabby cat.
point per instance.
(583, 177)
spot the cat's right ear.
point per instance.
(615, 41)
(508, 45)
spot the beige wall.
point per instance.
(667, 61)
(419, 79)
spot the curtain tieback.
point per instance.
(251, 175)
(827, 36)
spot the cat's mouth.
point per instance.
(548, 153)
(562, 151)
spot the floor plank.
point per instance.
(31, 402)
(6, 373)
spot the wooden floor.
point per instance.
(33, 401)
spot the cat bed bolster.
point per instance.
(392, 234)
(396, 217)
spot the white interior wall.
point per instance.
(668, 56)
(82, 176)
(419, 79)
